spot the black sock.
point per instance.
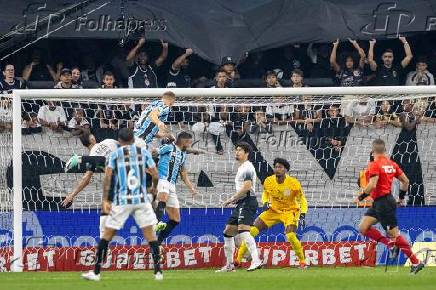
(155, 253)
(167, 231)
(101, 254)
(160, 210)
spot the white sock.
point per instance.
(251, 245)
(229, 249)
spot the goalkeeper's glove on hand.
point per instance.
(74, 161)
(302, 220)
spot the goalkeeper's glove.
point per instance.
(74, 161)
(362, 196)
(266, 206)
(302, 220)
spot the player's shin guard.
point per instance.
(243, 247)
(101, 254)
(155, 253)
(251, 244)
(375, 235)
(404, 246)
(296, 245)
(229, 249)
(167, 231)
(160, 210)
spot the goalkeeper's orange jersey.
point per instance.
(286, 196)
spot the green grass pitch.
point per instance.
(265, 279)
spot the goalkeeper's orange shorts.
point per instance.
(287, 218)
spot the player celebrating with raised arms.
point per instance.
(125, 194)
(283, 202)
(151, 122)
(244, 213)
(172, 158)
(380, 175)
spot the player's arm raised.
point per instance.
(187, 181)
(246, 187)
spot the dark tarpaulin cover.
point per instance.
(217, 28)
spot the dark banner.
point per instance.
(217, 28)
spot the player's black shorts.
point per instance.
(245, 212)
(384, 209)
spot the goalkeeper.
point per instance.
(283, 202)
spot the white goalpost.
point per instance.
(310, 161)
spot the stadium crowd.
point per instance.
(320, 126)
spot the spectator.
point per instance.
(5, 114)
(389, 74)
(76, 76)
(221, 80)
(177, 74)
(386, 115)
(334, 127)
(66, 80)
(421, 76)
(30, 124)
(360, 112)
(78, 123)
(142, 72)
(260, 124)
(349, 74)
(228, 65)
(307, 117)
(52, 116)
(279, 112)
(297, 78)
(271, 80)
(294, 57)
(9, 82)
(35, 71)
(108, 81)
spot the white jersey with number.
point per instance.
(246, 172)
(104, 148)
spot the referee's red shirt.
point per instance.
(386, 170)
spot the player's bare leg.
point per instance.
(296, 244)
(150, 236)
(230, 231)
(403, 245)
(101, 255)
(244, 232)
(257, 227)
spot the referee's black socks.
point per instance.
(155, 253)
(167, 231)
(160, 210)
(101, 254)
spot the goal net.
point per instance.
(325, 134)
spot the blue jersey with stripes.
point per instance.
(171, 161)
(144, 127)
(128, 165)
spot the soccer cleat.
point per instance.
(254, 266)
(91, 276)
(303, 266)
(160, 226)
(394, 251)
(158, 276)
(226, 268)
(414, 269)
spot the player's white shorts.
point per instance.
(103, 219)
(168, 187)
(143, 214)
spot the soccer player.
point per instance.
(151, 122)
(98, 153)
(283, 202)
(244, 213)
(380, 175)
(172, 158)
(125, 194)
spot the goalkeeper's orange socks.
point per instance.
(243, 247)
(296, 245)
(375, 235)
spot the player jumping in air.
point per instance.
(380, 175)
(244, 213)
(283, 202)
(125, 194)
(98, 153)
(151, 122)
(172, 158)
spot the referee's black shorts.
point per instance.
(245, 212)
(384, 209)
